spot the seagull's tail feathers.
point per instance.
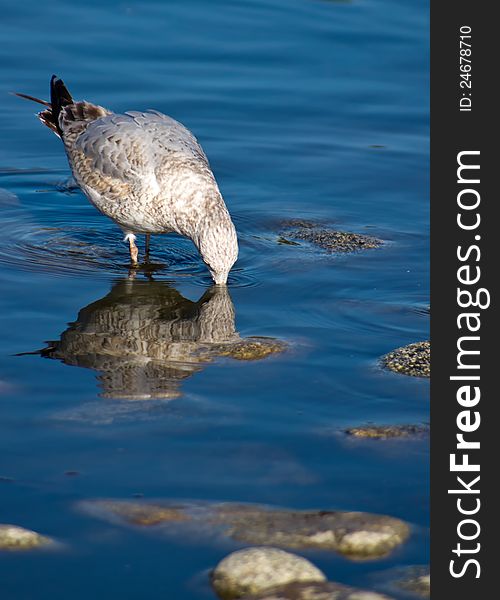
(62, 111)
(59, 97)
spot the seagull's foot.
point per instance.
(134, 251)
(132, 273)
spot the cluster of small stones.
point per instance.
(385, 432)
(264, 573)
(328, 239)
(252, 348)
(355, 535)
(16, 538)
(414, 360)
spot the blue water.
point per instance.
(307, 109)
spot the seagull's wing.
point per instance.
(133, 147)
(169, 136)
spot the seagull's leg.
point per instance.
(148, 240)
(134, 251)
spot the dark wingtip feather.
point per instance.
(59, 97)
(60, 91)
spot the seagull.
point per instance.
(145, 171)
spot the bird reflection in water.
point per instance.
(144, 338)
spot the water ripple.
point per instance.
(66, 236)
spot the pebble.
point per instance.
(13, 537)
(254, 570)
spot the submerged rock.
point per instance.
(136, 513)
(254, 570)
(13, 537)
(356, 535)
(252, 348)
(385, 432)
(327, 590)
(416, 580)
(328, 239)
(414, 359)
(421, 586)
(299, 224)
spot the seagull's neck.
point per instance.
(216, 241)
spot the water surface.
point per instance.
(307, 109)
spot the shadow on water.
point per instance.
(144, 338)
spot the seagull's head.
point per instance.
(218, 244)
